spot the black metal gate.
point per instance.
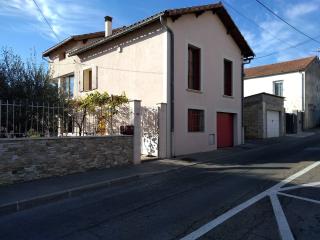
(291, 123)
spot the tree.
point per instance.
(27, 83)
(78, 110)
(106, 106)
(25, 80)
(101, 105)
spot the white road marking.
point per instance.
(283, 225)
(298, 174)
(313, 184)
(227, 215)
(300, 198)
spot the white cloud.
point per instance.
(265, 42)
(301, 9)
(66, 18)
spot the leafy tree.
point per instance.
(25, 80)
(102, 105)
(78, 109)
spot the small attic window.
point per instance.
(62, 56)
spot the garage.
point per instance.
(273, 124)
(263, 116)
(225, 130)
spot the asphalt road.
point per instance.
(232, 197)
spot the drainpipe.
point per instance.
(171, 53)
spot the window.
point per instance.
(68, 85)
(227, 77)
(278, 88)
(195, 120)
(62, 56)
(87, 80)
(194, 68)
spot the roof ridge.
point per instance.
(296, 65)
(288, 61)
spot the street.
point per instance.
(270, 193)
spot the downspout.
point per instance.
(171, 53)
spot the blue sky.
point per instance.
(23, 28)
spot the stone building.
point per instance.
(264, 116)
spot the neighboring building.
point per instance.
(264, 116)
(298, 81)
(189, 58)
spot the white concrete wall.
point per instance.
(134, 64)
(68, 65)
(292, 89)
(208, 33)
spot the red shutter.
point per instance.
(190, 68)
(227, 78)
(196, 69)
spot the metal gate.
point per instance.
(150, 131)
(291, 123)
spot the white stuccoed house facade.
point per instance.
(298, 81)
(189, 61)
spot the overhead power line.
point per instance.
(270, 33)
(283, 20)
(256, 24)
(283, 49)
(46, 20)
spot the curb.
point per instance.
(21, 205)
(18, 206)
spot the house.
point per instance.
(190, 59)
(298, 81)
(264, 116)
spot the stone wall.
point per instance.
(253, 117)
(255, 109)
(30, 159)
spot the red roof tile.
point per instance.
(279, 68)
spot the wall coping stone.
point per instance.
(63, 138)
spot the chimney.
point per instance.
(108, 26)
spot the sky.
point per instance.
(24, 29)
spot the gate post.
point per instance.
(162, 141)
(136, 110)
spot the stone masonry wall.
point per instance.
(255, 109)
(30, 159)
(253, 117)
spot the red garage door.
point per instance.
(224, 130)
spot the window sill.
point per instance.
(194, 91)
(226, 96)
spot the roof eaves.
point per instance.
(119, 34)
(218, 8)
(270, 75)
(46, 52)
(308, 65)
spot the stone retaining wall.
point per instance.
(30, 159)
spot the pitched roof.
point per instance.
(217, 8)
(79, 38)
(279, 68)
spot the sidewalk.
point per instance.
(22, 196)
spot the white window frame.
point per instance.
(274, 87)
